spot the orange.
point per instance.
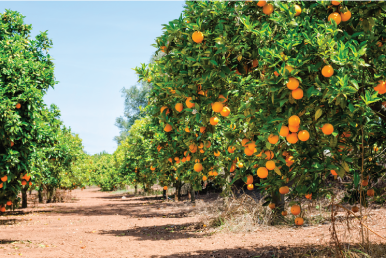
(248, 151)
(370, 192)
(379, 44)
(208, 144)
(295, 210)
(292, 83)
(365, 182)
(148, 80)
(345, 16)
(327, 129)
(298, 10)
(215, 173)
(249, 179)
(163, 108)
(1, 185)
(187, 129)
(30, 183)
(204, 178)
(188, 158)
(225, 111)
(251, 146)
(152, 168)
(250, 187)
(268, 9)
(327, 71)
(244, 142)
(289, 68)
(261, 3)
(336, 17)
(292, 138)
(222, 99)
(163, 48)
(179, 107)
(299, 221)
(270, 165)
(284, 131)
(183, 159)
(165, 188)
(197, 36)
(255, 63)
(167, 128)
(309, 196)
(23, 182)
(333, 172)
(4, 178)
(217, 153)
(2, 208)
(284, 213)
(297, 94)
(18, 105)
(284, 190)
(304, 135)
(198, 167)
(231, 149)
(294, 120)
(193, 148)
(276, 73)
(188, 103)
(213, 120)
(269, 155)
(233, 168)
(9, 203)
(335, 2)
(355, 209)
(380, 87)
(272, 206)
(262, 172)
(294, 129)
(217, 107)
(273, 139)
(12, 143)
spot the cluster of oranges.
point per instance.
(338, 17)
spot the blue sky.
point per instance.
(96, 45)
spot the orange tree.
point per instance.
(296, 88)
(26, 74)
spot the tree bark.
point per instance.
(24, 203)
(164, 194)
(50, 194)
(135, 190)
(192, 195)
(278, 200)
(177, 195)
(40, 195)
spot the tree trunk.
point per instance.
(30, 191)
(24, 197)
(192, 195)
(50, 194)
(177, 195)
(40, 195)
(164, 194)
(278, 200)
(135, 190)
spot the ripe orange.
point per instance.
(250, 187)
(249, 179)
(197, 36)
(262, 172)
(335, 2)
(152, 168)
(30, 183)
(2, 209)
(188, 103)
(298, 10)
(1, 185)
(292, 83)
(233, 168)
(222, 99)
(163, 108)
(309, 196)
(18, 105)
(269, 155)
(198, 167)
(294, 120)
(379, 44)
(299, 221)
(9, 203)
(261, 3)
(217, 107)
(193, 148)
(202, 129)
(240, 165)
(292, 138)
(284, 190)
(295, 209)
(12, 143)
(284, 213)
(293, 129)
(289, 68)
(333, 172)
(244, 142)
(213, 120)
(187, 129)
(179, 107)
(231, 149)
(297, 94)
(365, 182)
(327, 129)
(23, 182)
(304, 135)
(284, 131)
(270, 165)
(167, 128)
(345, 16)
(273, 139)
(276, 73)
(355, 209)
(381, 87)
(163, 48)
(327, 71)
(183, 159)
(268, 9)
(225, 111)
(204, 178)
(215, 173)
(208, 144)
(217, 153)
(370, 192)
(165, 188)
(272, 206)
(336, 17)
(248, 151)
(4, 178)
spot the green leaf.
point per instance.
(318, 113)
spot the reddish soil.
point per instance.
(99, 224)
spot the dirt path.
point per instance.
(105, 225)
